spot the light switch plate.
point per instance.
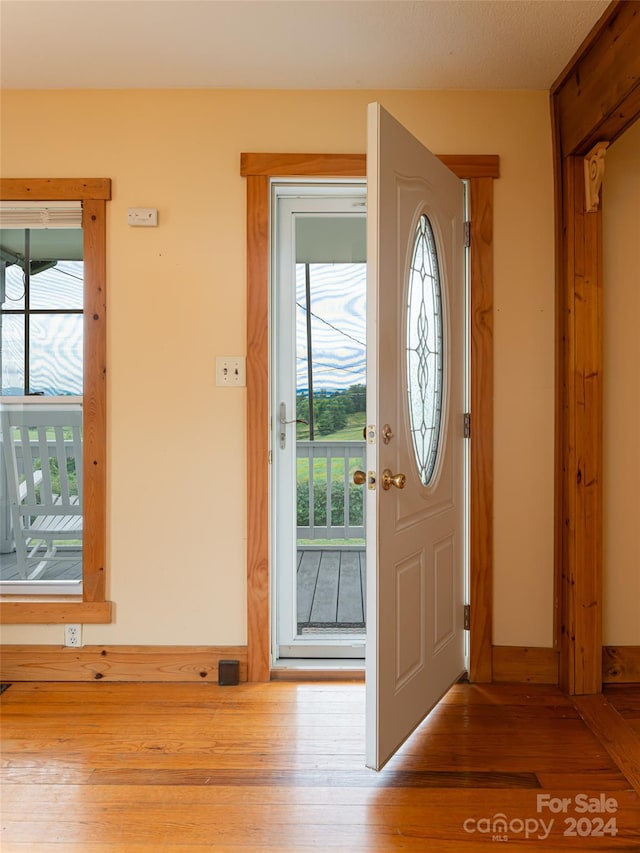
(142, 216)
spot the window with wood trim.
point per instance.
(41, 355)
(90, 606)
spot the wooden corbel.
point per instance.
(593, 173)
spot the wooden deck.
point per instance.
(279, 768)
(331, 589)
(70, 569)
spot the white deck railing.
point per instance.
(41, 404)
(329, 505)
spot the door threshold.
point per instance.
(317, 669)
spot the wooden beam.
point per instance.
(598, 95)
(581, 572)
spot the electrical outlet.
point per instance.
(231, 371)
(73, 635)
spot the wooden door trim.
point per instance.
(354, 165)
(481, 457)
(258, 170)
(596, 98)
(258, 609)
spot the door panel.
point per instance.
(415, 553)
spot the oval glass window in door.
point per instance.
(425, 350)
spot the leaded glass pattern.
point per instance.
(424, 350)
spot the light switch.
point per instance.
(142, 216)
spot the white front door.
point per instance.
(415, 456)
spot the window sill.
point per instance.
(45, 610)
(41, 589)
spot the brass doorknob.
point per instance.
(389, 479)
(359, 478)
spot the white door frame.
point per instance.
(289, 199)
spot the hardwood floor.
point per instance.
(279, 768)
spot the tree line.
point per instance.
(331, 409)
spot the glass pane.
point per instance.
(12, 354)
(14, 288)
(56, 345)
(334, 329)
(12, 252)
(424, 350)
(330, 318)
(331, 364)
(42, 546)
(60, 286)
(41, 459)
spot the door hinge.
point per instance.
(467, 234)
(467, 424)
(467, 617)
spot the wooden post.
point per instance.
(581, 501)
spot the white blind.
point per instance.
(33, 214)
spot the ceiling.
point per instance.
(290, 44)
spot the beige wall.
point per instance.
(621, 225)
(177, 534)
